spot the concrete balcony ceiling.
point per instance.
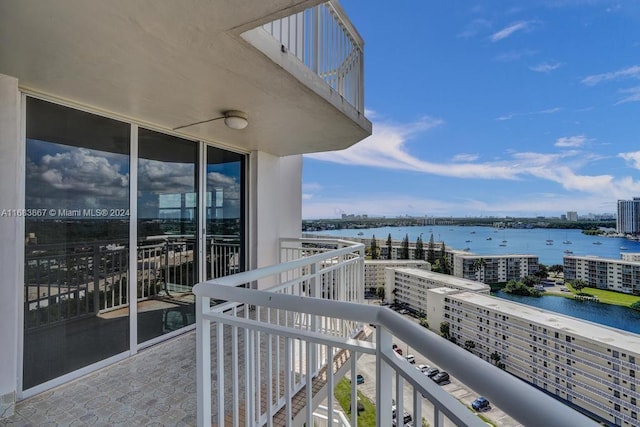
(171, 63)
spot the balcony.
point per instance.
(178, 65)
(275, 340)
(324, 40)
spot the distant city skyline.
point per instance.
(525, 110)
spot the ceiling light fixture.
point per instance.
(234, 119)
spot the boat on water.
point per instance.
(567, 251)
(623, 248)
(503, 244)
(597, 243)
(549, 240)
(504, 241)
(489, 238)
(567, 242)
(549, 243)
(361, 234)
(467, 241)
(466, 249)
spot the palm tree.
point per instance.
(478, 268)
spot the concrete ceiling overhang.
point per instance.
(174, 62)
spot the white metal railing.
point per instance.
(324, 39)
(269, 345)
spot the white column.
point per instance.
(275, 200)
(12, 175)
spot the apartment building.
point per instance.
(622, 275)
(588, 366)
(409, 286)
(628, 219)
(494, 268)
(630, 256)
(374, 272)
(147, 149)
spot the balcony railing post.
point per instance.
(96, 278)
(384, 377)
(203, 362)
(315, 284)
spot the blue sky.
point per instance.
(489, 108)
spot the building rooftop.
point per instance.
(445, 279)
(606, 335)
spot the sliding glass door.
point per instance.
(224, 213)
(167, 228)
(78, 281)
(77, 240)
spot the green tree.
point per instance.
(497, 360)
(530, 280)
(431, 252)
(445, 330)
(380, 292)
(389, 247)
(556, 269)
(579, 285)
(423, 322)
(442, 261)
(404, 250)
(519, 288)
(374, 248)
(469, 345)
(543, 271)
(419, 253)
(478, 268)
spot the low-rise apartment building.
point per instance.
(622, 275)
(494, 268)
(374, 272)
(589, 366)
(409, 286)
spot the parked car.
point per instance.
(441, 377)
(406, 418)
(431, 372)
(411, 358)
(359, 379)
(422, 368)
(481, 404)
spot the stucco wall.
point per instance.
(11, 240)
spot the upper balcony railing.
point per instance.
(272, 352)
(324, 39)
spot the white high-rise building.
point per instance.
(628, 220)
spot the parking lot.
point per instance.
(367, 368)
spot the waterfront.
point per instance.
(614, 316)
(545, 243)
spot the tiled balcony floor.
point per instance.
(157, 387)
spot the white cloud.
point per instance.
(386, 148)
(632, 95)
(476, 26)
(510, 116)
(465, 157)
(571, 141)
(633, 158)
(545, 67)
(78, 178)
(629, 72)
(506, 32)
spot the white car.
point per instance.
(422, 368)
(411, 358)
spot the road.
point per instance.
(367, 367)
